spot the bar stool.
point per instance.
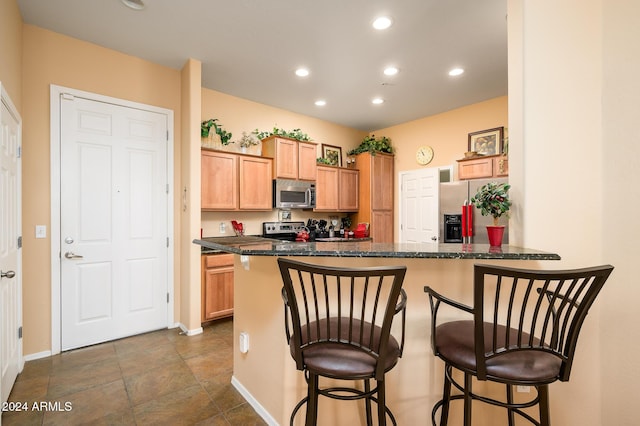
(338, 326)
(524, 332)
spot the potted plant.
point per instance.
(296, 134)
(205, 130)
(373, 144)
(247, 141)
(493, 200)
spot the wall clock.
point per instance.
(424, 155)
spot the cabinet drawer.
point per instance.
(217, 260)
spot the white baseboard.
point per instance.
(37, 355)
(188, 332)
(262, 412)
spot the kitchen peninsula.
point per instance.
(266, 374)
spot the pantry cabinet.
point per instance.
(376, 195)
(336, 189)
(292, 159)
(217, 286)
(232, 182)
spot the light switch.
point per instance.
(41, 231)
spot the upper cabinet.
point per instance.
(489, 166)
(336, 189)
(235, 182)
(292, 159)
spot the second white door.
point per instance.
(419, 194)
(113, 230)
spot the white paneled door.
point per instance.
(419, 192)
(113, 221)
(10, 252)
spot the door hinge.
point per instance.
(67, 96)
(20, 241)
(20, 332)
(19, 152)
(167, 297)
(167, 188)
(167, 241)
(167, 136)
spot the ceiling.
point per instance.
(251, 48)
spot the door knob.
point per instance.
(8, 274)
(72, 255)
(434, 238)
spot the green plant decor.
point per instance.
(372, 145)
(247, 140)
(493, 200)
(296, 134)
(325, 161)
(205, 129)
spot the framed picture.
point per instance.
(487, 142)
(333, 154)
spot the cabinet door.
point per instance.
(382, 182)
(475, 169)
(348, 190)
(381, 227)
(307, 155)
(217, 286)
(327, 188)
(286, 159)
(255, 183)
(219, 186)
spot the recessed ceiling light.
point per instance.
(377, 101)
(456, 71)
(134, 4)
(382, 23)
(302, 72)
(321, 102)
(391, 71)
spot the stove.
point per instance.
(285, 231)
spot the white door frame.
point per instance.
(56, 92)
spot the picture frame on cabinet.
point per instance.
(333, 154)
(487, 142)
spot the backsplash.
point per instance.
(252, 221)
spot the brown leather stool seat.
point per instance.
(524, 330)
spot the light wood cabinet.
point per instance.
(255, 183)
(483, 167)
(219, 187)
(232, 182)
(336, 189)
(217, 286)
(292, 159)
(376, 189)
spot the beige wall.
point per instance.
(51, 58)
(446, 133)
(11, 51)
(574, 98)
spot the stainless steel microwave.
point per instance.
(294, 194)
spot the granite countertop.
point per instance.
(258, 246)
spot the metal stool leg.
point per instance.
(382, 408)
(312, 403)
(510, 415)
(467, 399)
(543, 394)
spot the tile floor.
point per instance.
(158, 378)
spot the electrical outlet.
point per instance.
(223, 228)
(523, 389)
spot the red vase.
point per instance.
(495, 235)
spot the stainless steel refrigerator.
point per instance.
(452, 198)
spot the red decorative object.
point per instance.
(470, 220)
(495, 234)
(465, 233)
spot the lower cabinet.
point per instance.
(217, 286)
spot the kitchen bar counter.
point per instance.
(258, 246)
(266, 375)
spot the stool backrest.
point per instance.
(337, 305)
(540, 310)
